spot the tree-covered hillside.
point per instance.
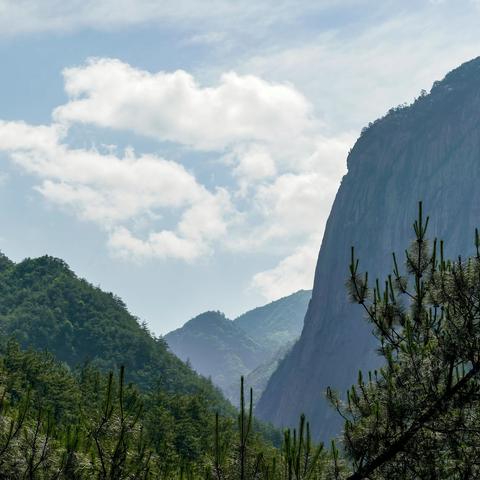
(78, 424)
(44, 305)
(258, 378)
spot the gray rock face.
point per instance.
(429, 151)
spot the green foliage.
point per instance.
(257, 379)
(250, 459)
(56, 423)
(418, 417)
(44, 305)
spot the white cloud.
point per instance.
(114, 191)
(174, 107)
(283, 173)
(199, 227)
(164, 244)
(294, 201)
(254, 162)
(355, 73)
(123, 187)
(295, 272)
(264, 131)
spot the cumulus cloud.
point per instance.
(174, 107)
(113, 191)
(289, 207)
(165, 244)
(282, 173)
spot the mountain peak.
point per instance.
(208, 317)
(224, 350)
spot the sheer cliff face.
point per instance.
(429, 151)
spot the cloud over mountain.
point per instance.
(280, 170)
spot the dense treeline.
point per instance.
(45, 307)
(59, 423)
(56, 422)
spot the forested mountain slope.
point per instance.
(257, 379)
(44, 305)
(428, 151)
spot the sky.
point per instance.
(185, 155)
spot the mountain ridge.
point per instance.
(225, 350)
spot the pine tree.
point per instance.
(418, 417)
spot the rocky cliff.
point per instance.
(427, 151)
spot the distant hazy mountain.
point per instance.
(427, 151)
(215, 347)
(278, 323)
(258, 378)
(224, 350)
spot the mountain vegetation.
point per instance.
(257, 379)
(44, 305)
(224, 350)
(417, 417)
(426, 151)
(59, 339)
(56, 422)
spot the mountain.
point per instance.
(44, 305)
(276, 324)
(224, 350)
(427, 151)
(258, 378)
(216, 348)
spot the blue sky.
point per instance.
(185, 155)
